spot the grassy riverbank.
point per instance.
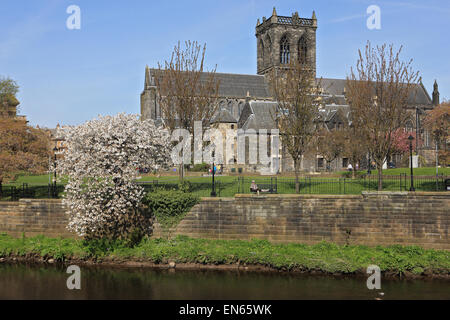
(323, 257)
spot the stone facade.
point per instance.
(8, 110)
(297, 35)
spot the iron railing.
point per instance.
(230, 186)
(25, 191)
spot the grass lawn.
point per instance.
(429, 171)
(228, 186)
(32, 180)
(325, 257)
(44, 179)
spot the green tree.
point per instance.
(8, 91)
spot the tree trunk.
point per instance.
(181, 172)
(380, 177)
(297, 183)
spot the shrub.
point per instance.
(358, 174)
(185, 186)
(169, 206)
(202, 167)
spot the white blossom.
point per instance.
(101, 162)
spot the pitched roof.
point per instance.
(336, 87)
(236, 85)
(261, 116)
(223, 116)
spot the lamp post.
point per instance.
(417, 127)
(213, 171)
(369, 171)
(55, 149)
(411, 138)
(437, 165)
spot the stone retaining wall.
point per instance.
(371, 218)
(34, 217)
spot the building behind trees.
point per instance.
(279, 39)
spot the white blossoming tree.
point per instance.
(101, 162)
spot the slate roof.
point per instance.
(223, 116)
(336, 87)
(261, 115)
(328, 113)
(334, 100)
(237, 85)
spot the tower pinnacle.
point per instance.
(435, 94)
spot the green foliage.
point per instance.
(134, 238)
(202, 167)
(170, 206)
(325, 257)
(185, 186)
(358, 174)
(97, 248)
(8, 90)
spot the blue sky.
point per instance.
(70, 76)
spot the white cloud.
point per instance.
(348, 18)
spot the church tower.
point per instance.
(280, 39)
(149, 104)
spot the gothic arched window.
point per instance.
(409, 126)
(285, 53)
(230, 107)
(302, 51)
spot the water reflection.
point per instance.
(39, 282)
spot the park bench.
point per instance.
(266, 188)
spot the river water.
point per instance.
(49, 282)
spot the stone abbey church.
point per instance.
(245, 101)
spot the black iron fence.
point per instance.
(230, 186)
(25, 191)
(318, 185)
(201, 188)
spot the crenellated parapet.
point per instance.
(283, 38)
